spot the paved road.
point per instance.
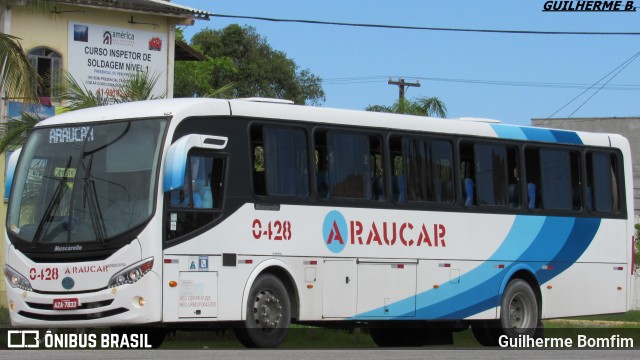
(369, 354)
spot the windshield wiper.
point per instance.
(91, 197)
(52, 206)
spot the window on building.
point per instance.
(48, 65)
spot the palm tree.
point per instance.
(423, 106)
(137, 87)
(77, 96)
(18, 79)
(15, 131)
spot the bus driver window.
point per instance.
(199, 202)
(196, 191)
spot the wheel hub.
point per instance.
(519, 312)
(267, 310)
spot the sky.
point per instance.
(544, 72)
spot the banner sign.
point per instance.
(102, 57)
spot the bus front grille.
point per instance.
(89, 305)
(72, 317)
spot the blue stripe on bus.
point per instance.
(539, 134)
(567, 137)
(579, 240)
(531, 240)
(536, 134)
(509, 132)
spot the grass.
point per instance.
(300, 337)
(631, 316)
(4, 317)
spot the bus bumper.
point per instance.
(129, 304)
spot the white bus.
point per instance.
(184, 213)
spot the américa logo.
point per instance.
(337, 232)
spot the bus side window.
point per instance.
(559, 179)
(398, 183)
(343, 165)
(513, 176)
(377, 175)
(532, 173)
(285, 161)
(203, 180)
(467, 174)
(199, 201)
(427, 169)
(602, 183)
(257, 167)
(491, 174)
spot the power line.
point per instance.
(380, 79)
(606, 82)
(404, 27)
(623, 65)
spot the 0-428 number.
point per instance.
(44, 274)
(274, 230)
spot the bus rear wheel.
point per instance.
(519, 311)
(268, 314)
(519, 315)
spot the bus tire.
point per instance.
(268, 314)
(519, 313)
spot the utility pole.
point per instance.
(402, 85)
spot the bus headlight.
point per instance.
(131, 274)
(16, 280)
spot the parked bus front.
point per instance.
(82, 196)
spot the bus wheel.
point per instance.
(518, 316)
(268, 314)
(519, 311)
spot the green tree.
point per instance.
(423, 106)
(240, 56)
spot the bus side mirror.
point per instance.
(11, 170)
(176, 160)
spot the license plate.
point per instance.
(65, 304)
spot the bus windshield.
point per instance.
(78, 186)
